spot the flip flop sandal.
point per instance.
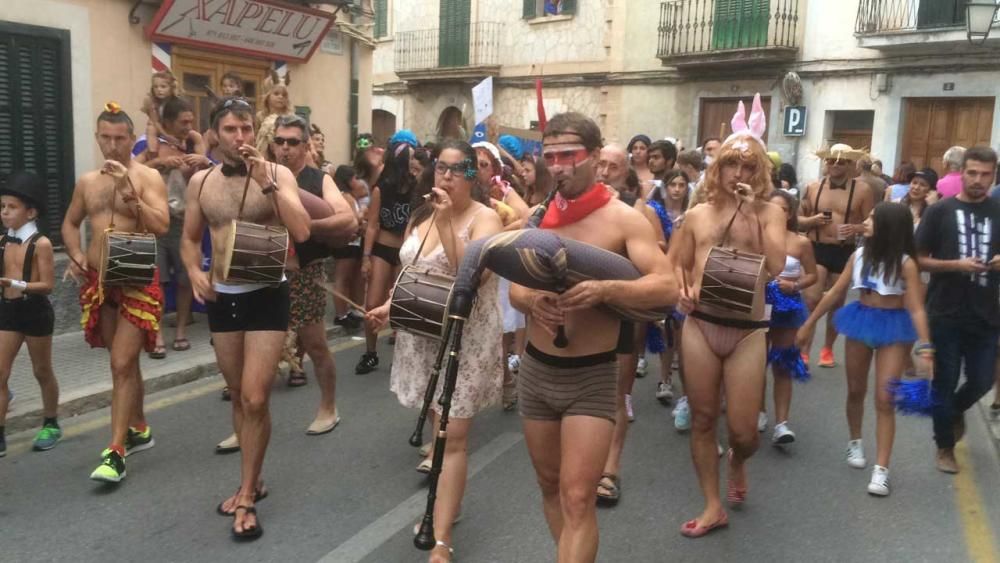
(691, 528)
(734, 494)
(259, 495)
(614, 491)
(297, 379)
(158, 353)
(181, 345)
(248, 534)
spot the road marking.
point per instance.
(410, 510)
(975, 519)
(206, 387)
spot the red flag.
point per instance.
(541, 106)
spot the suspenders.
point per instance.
(850, 199)
(29, 256)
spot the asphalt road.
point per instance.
(353, 495)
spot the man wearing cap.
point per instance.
(129, 197)
(832, 212)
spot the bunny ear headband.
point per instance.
(744, 130)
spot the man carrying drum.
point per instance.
(128, 197)
(248, 321)
(724, 344)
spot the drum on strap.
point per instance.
(127, 258)
(254, 254)
(732, 284)
(419, 301)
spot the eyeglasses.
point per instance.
(565, 158)
(292, 142)
(457, 169)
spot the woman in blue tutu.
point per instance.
(788, 313)
(886, 319)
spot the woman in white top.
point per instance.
(884, 322)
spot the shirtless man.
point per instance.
(567, 396)
(717, 349)
(832, 214)
(133, 198)
(248, 322)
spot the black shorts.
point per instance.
(348, 253)
(388, 254)
(626, 339)
(261, 310)
(832, 256)
(31, 316)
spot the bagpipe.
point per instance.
(531, 257)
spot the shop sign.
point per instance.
(262, 28)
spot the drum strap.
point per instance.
(420, 249)
(725, 234)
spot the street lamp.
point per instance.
(979, 15)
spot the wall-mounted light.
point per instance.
(979, 15)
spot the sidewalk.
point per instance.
(85, 378)
(992, 421)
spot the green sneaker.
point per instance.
(46, 438)
(136, 441)
(111, 470)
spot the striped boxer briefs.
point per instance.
(552, 387)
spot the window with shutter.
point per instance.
(540, 8)
(740, 24)
(36, 131)
(940, 13)
(455, 19)
(381, 18)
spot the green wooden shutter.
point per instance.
(381, 17)
(740, 24)
(530, 9)
(455, 21)
(568, 7)
(940, 13)
(35, 119)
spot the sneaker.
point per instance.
(344, 321)
(761, 422)
(136, 441)
(879, 485)
(46, 438)
(782, 434)
(640, 367)
(682, 415)
(111, 469)
(3, 446)
(513, 363)
(367, 364)
(628, 408)
(995, 411)
(664, 393)
(826, 358)
(856, 455)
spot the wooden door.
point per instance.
(716, 113)
(198, 72)
(932, 125)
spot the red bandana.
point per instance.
(564, 211)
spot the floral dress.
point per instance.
(480, 372)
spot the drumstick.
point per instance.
(684, 281)
(340, 295)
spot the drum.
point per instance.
(254, 254)
(128, 259)
(419, 301)
(732, 284)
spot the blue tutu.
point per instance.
(787, 311)
(790, 360)
(875, 327)
(654, 338)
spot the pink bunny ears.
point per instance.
(755, 127)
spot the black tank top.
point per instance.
(311, 180)
(394, 213)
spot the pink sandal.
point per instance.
(691, 528)
(734, 494)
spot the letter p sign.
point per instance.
(795, 121)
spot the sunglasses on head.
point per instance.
(832, 161)
(292, 142)
(237, 104)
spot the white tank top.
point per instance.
(875, 280)
(793, 269)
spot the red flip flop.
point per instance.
(734, 494)
(691, 528)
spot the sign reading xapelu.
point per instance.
(262, 28)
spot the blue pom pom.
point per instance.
(654, 339)
(912, 396)
(790, 360)
(782, 302)
(665, 222)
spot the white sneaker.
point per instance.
(664, 393)
(682, 415)
(762, 422)
(628, 408)
(782, 434)
(513, 363)
(640, 367)
(879, 485)
(856, 455)
(721, 451)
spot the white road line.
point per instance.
(410, 510)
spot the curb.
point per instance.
(992, 424)
(102, 398)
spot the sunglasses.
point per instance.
(833, 161)
(280, 141)
(565, 158)
(236, 104)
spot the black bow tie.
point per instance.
(13, 240)
(234, 170)
(841, 187)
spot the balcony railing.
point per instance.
(887, 16)
(432, 49)
(699, 29)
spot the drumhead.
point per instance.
(421, 275)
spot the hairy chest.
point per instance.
(223, 200)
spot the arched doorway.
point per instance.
(450, 125)
(383, 126)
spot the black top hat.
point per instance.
(28, 186)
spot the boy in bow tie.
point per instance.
(25, 311)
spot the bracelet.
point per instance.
(19, 284)
(924, 348)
